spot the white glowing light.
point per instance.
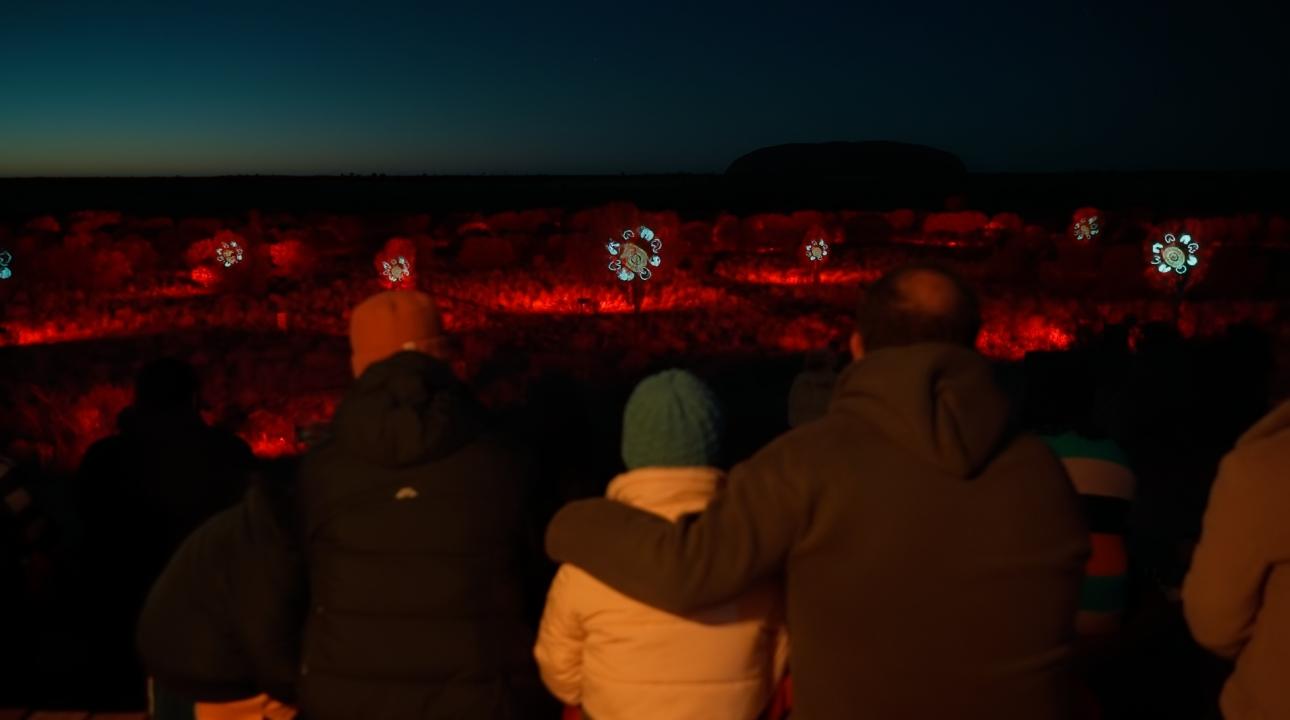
(396, 270)
(229, 253)
(1086, 228)
(1174, 254)
(635, 254)
(817, 250)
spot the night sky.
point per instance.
(631, 87)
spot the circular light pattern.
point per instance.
(396, 270)
(1174, 255)
(635, 254)
(229, 253)
(1086, 228)
(5, 259)
(817, 250)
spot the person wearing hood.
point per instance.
(417, 542)
(139, 494)
(933, 557)
(618, 658)
(220, 631)
(1236, 596)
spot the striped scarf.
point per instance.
(1101, 476)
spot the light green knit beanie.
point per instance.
(672, 419)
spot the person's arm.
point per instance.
(702, 559)
(560, 637)
(269, 600)
(1224, 588)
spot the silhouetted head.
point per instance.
(166, 385)
(913, 304)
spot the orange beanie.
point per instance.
(390, 322)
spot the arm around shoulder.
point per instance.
(744, 534)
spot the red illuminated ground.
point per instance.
(95, 293)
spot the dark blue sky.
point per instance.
(138, 88)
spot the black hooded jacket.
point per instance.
(418, 552)
(223, 621)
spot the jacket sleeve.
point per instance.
(560, 638)
(703, 559)
(1222, 592)
(269, 601)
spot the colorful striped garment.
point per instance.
(1102, 477)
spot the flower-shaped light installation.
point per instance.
(5, 259)
(1174, 255)
(817, 250)
(229, 253)
(1085, 228)
(396, 270)
(635, 254)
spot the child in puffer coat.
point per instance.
(618, 658)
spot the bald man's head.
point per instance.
(917, 304)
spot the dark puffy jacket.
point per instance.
(418, 550)
(223, 621)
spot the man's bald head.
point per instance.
(917, 304)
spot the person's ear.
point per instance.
(857, 346)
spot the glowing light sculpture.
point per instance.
(5, 259)
(229, 253)
(635, 254)
(817, 250)
(1086, 228)
(396, 270)
(1174, 255)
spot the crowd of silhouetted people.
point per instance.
(922, 534)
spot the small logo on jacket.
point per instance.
(406, 493)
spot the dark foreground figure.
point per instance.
(932, 557)
(417, 546)
(221, 627)
(140, 494)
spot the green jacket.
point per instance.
(931, 559)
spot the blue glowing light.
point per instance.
(635, 254)
(1174, 255)
(5, 259)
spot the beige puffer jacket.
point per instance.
(619, 658)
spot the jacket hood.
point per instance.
(405, 410)
(939, 401)
(670, 492)
(1274, 423)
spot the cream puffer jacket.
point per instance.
(619, 658)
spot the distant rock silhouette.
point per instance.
(851, 160)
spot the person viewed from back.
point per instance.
(140, 493)
(932, 556)
(220, 632)
(1067, 400)
(414, 519)
(619, 658)
(808, 397)
(1236, 596)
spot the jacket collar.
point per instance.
(670, 492)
